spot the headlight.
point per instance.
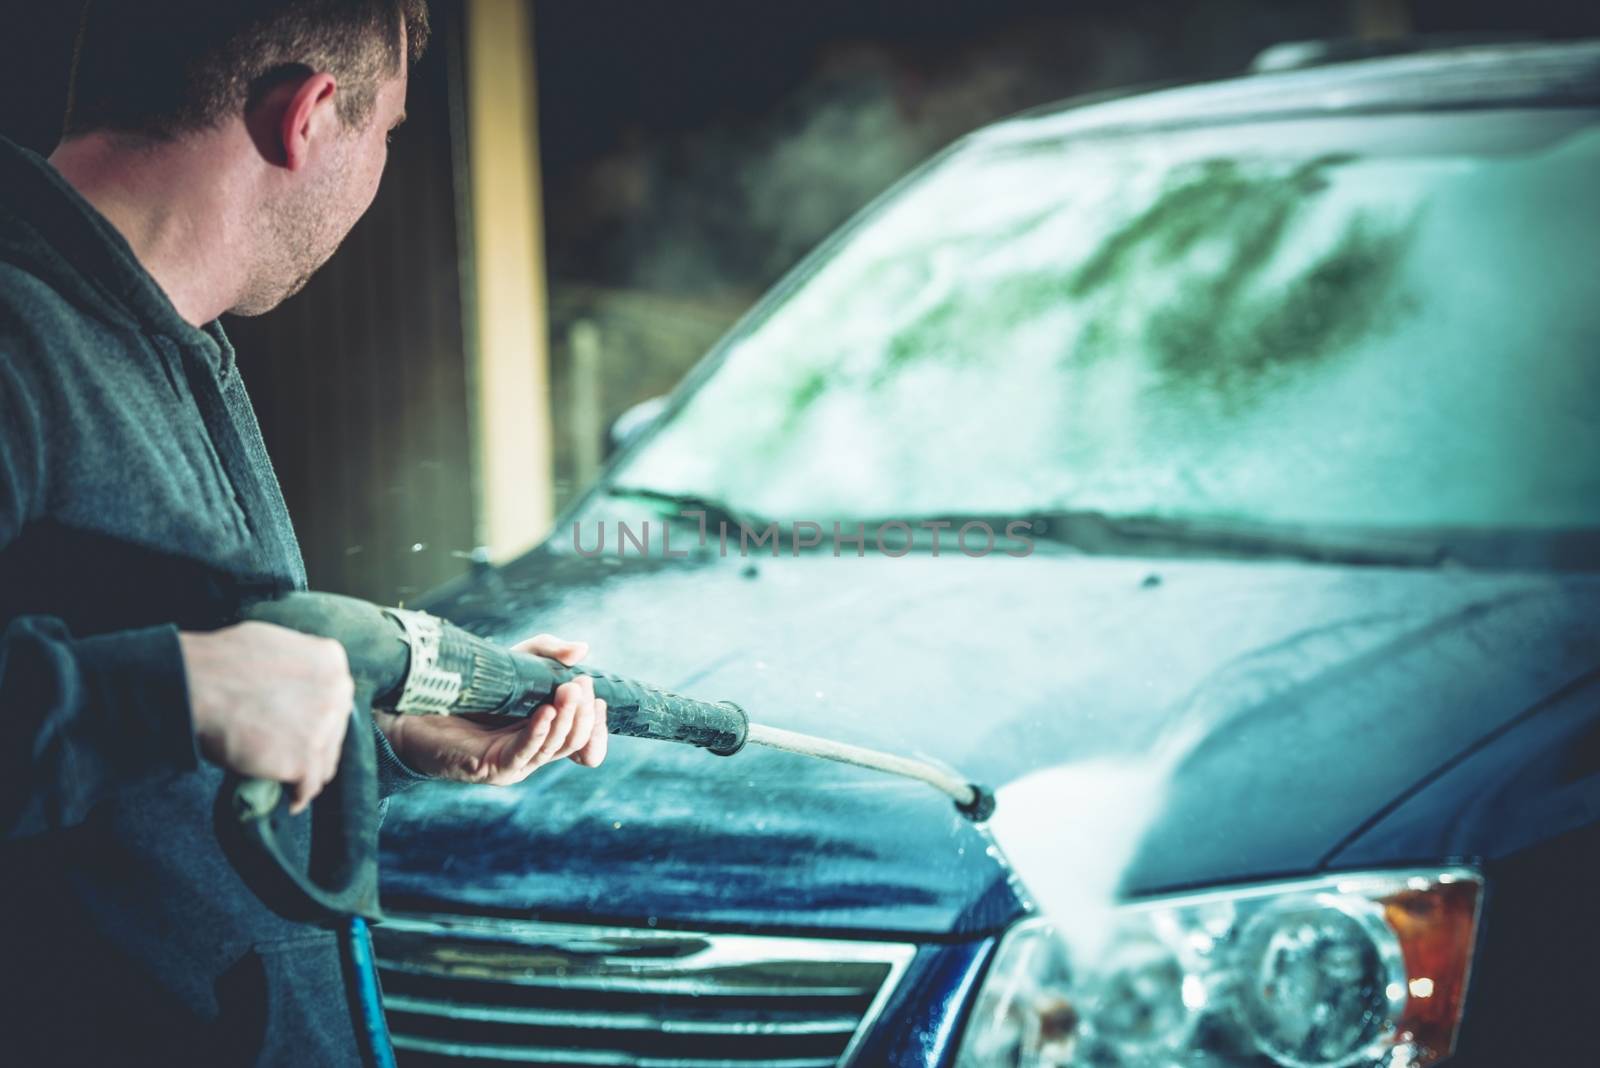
(1352, 970)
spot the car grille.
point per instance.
(462, 991)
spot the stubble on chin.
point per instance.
(296, 255)
(259, 302)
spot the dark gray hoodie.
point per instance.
(131, 467)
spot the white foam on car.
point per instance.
(1070, 831)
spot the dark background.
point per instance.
(692, 151)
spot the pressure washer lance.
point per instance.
(417, 664)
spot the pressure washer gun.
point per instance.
(413, 663)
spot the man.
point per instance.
(216, 153)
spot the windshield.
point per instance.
(1384, 321)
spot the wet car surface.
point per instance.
(965, 663)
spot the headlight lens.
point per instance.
(1321, 981)
(1353, 970)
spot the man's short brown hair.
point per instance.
(160, 68)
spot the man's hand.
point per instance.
(269, 703)
(493, 751)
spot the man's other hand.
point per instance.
(491, 750)
(270, 703)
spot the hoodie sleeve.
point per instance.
(83, 718)
(394, 774)
(80, 718)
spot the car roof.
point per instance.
(1483, 76)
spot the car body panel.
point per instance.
(1319, 694)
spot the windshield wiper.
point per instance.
(1298, 541)
(1103, 534)
(1097, 532)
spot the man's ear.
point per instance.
(308, 114)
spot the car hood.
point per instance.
(1284, 705)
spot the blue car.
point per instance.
(1216, 472)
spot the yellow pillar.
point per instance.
(512, 434)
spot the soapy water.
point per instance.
(1069, 833)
